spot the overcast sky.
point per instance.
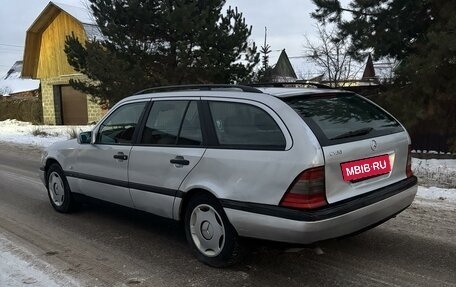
(287, 22)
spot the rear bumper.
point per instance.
(336, 220)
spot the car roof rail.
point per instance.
(205, 87)
(288, 84)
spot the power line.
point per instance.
(10, 45)
(10, 49)
(11, 52)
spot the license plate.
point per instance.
(367, 167)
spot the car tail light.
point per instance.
(408, 168)
(307, 191)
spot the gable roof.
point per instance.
(296, 68)
(369, 70)
(290, 69)
(14, 72)
(49, 13)
(12, 82)
(83, 15)
(283, 70)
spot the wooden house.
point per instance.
(45, 59)
(301, 68)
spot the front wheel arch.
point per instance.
(67, 203)
(49, 163)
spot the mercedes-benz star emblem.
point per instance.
(374, 145)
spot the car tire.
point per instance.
(59, 191)
(212, 238)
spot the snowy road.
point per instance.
(104, 245)
(20, 267)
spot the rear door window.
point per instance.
(190, 132)
(239, 125)
(339, 118)
(173, 123)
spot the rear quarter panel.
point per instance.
(260, 176)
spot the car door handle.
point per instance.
(179, 160)
(120, 156)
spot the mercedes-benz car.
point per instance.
(296, 165)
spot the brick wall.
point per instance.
(94, 111)
(51, 105)
(47, 98)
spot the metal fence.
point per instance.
(430, 142)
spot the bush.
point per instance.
(37, 131)
(22, 109)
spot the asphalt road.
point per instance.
(105, 245)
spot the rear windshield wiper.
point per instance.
(359, 132)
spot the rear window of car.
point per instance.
(339, 118)
(244, 126)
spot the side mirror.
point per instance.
(85, 138)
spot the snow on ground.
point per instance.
(435, 193)
(435, 172)
(22, 133)
(436, 179)
(18, 267)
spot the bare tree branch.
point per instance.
(331, 54)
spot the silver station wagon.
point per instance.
(296, 165)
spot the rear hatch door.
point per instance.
(364, 147)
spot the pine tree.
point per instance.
(264, 74)
(421, 35)
(161, 42)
